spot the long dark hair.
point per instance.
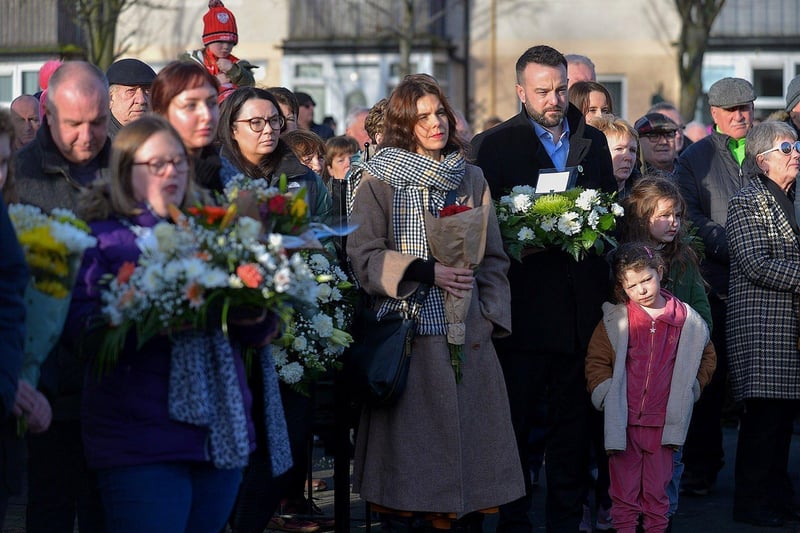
(400, 116)
(230, 148)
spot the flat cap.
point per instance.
(655, 123)
(730, 92)
(793, 94)
(304, 99)
(130, 72)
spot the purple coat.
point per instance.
(124, 414)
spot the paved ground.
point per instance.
(710, 514)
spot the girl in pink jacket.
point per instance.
(646, 364)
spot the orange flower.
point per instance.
(211, 213)
(250, 275)
(194, 293)
(204, 255)
(125, 272)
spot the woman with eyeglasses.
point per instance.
(155, 472)
(763, 239)
(250, 138)
(186, 95)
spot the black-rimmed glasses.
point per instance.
(158, 167)
(257, 124)
(785, 148)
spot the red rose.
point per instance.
(277, 205)
(451, 210)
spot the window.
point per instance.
(6, 87)
(616, 88)
(30, 82)
(768, 82)
(308, 70)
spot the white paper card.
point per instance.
(552, 182)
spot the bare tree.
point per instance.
(406, 29)
(697, 16)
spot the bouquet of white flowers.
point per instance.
(53, 246)
(317, 335)
(575, 221)
(207, 257)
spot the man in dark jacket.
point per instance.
(556, 301)
(709, 173)
(70, 151)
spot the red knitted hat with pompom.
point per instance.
(219, 24)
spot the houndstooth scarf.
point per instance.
(419, 183)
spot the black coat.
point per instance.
(555, 301)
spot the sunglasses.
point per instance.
(785, 148)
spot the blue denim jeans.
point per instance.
(675, 484)
(168, 497)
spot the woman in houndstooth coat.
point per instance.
(762, 325)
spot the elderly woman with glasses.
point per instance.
(762, 324)
(157, 469)
(251, 125)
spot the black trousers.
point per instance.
(703, 455)
(561, 377)
(260, 493)
(60, 484)
(762, 454)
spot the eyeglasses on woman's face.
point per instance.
(158, 166)
(257, 124)
(785, 148)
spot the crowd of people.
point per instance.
(616, 366)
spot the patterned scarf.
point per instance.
(419, 183)
(204, 391)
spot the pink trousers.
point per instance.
(639, 479)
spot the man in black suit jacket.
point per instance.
(556, 301)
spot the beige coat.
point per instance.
(443, 447)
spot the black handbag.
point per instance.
(381, 352)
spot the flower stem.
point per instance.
(457, 359)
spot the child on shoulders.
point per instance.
(219, 37)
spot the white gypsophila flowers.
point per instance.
(587, 199)
(166, 237)
(525, 234)
(569, 223)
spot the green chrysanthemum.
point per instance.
(551, 205)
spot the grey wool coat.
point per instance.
(444, 447)
(763, 302)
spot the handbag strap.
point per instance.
(417, 300)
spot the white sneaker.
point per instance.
(603, 519)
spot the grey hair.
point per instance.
(578, 58)
(762, 136)
(352, 115)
